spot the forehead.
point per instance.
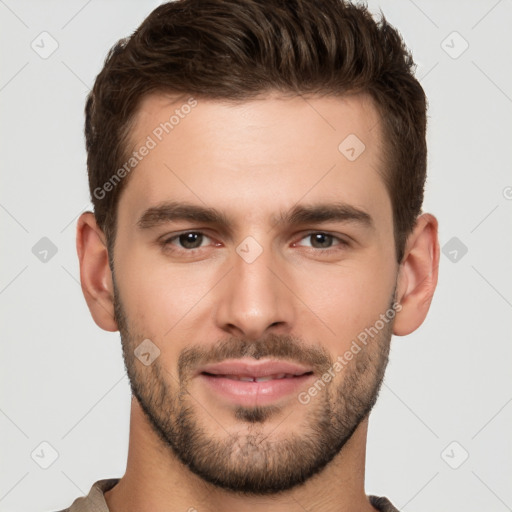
(260, 155)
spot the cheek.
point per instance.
(346, 300)
(159, 297)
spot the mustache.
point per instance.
(275, 346)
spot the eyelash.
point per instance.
(340, 242)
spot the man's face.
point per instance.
(253, 232)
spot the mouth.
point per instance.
(250, 383)
(257, 371)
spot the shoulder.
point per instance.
(95, 500)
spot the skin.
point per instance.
(253, 161)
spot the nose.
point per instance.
(253, 298)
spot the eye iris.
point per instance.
(321, 240)
(191, 240)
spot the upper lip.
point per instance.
(251, 368)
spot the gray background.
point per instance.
(447, 393)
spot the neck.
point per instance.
(156, 480)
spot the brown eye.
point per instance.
(191, 240)
(321, 240)
(187, 241)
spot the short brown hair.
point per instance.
(239, 49)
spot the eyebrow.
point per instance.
(298, 215)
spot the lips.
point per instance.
(249, 383)
(255, 371)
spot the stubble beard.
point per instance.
(258, 459)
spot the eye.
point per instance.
(188, 240)
(321, 240)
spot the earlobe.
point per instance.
(418, 274)
(95, 274)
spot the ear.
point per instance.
(417, 278)
(95, 274)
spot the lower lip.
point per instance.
(251, 393)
